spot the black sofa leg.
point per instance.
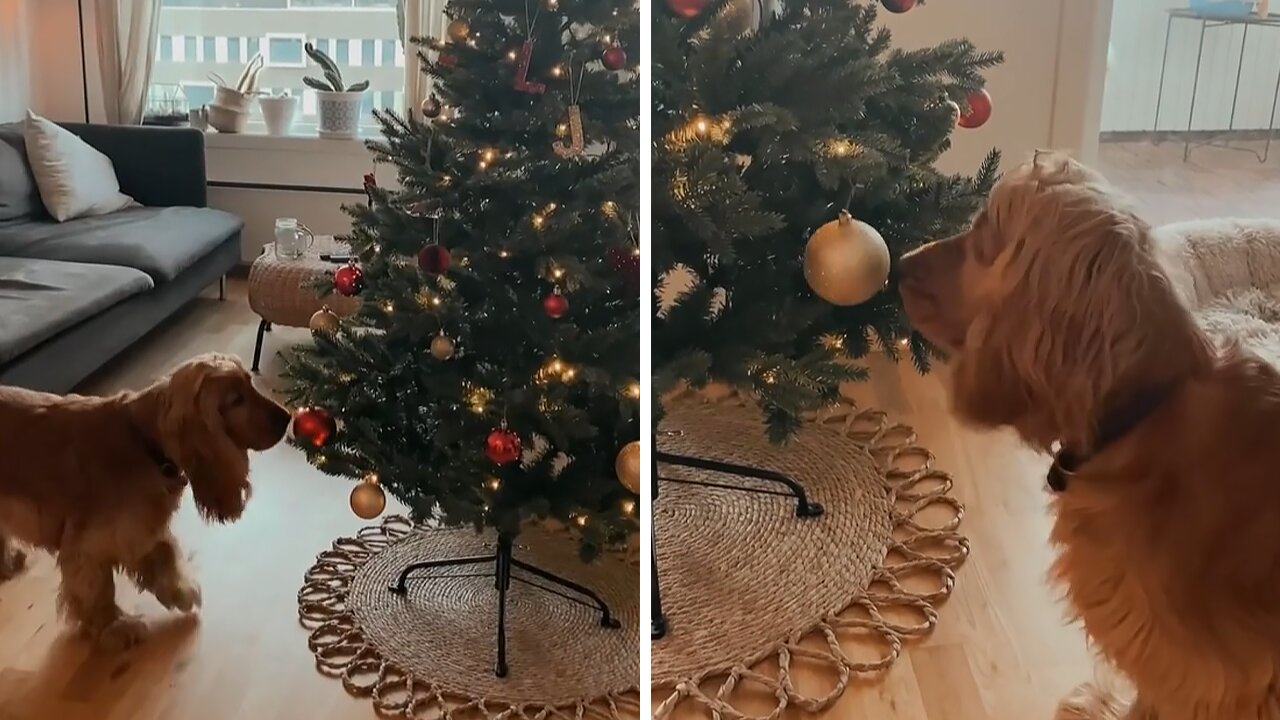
(264, 327)
(222, 287)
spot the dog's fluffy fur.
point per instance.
(83, 479)
(1058, 315)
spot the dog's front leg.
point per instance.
(160, 572)
(88, 598)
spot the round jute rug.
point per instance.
(430, 653)
(755, 597)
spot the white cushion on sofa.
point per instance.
(74, 179)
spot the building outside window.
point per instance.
(201, 38)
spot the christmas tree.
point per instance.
(767, 125)
(490, 375)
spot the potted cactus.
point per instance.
(339, 104)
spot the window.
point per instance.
(200, 38)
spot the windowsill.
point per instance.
(297, 141)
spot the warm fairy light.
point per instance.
(503, 253)
(557, 273)
(436, 301)
(488, 155)
(556, 368)
(551, 207)
(492, 484)
(628, 506)
(568, 374)
(581, 520)
(537, 220)
(478, 398)
(769, 377)
(553, 4)
(562, 129)
(388, 306)
(904, 342)
(320, 461)
(371, 478)
(833, 342)
(607, 39)
(446, 180)
(557, 71)
(633, 390)
(511, 55)
(483, 165)
(609, 208)
(841, 147)
(701, 124)
(556, 365)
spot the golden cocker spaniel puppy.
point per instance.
(95, 481)
(1062, 325)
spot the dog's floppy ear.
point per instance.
(197, 438)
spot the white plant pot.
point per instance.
(339, 114)
(278, 113)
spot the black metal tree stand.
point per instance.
(805, 508)
(503, 563)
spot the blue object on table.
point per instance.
(1223, 8)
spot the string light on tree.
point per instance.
(846, 261)
(492, 484)
(368, 500)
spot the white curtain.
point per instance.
(422, 18)
(15, 60)
(127, 34)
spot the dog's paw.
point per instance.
(123, 633)
(12, 563)
(183, 596)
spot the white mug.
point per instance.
(198, 118)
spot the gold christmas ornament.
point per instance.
(323, 320)
(628, 466)
(441, 347)
(368, 500)
(846, 262)
(459, 30)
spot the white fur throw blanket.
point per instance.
(1228, 273)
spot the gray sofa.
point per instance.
(74, 294)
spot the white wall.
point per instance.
(15, 32)
(1133, 72)
(1039, 101)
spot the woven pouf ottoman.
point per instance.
(282, 292)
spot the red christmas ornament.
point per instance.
(446, 60)
(979, 110)
(687, 9)
(556, 305)
(314, 425)
(615, 58)
(370, 181)
(433, 259)
(898, 6)
(349, 280)
(626, 260)
(502, 446)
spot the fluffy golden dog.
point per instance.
(1062, 325)
(95, 480)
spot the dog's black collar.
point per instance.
(167, 467)
(1067, 462)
